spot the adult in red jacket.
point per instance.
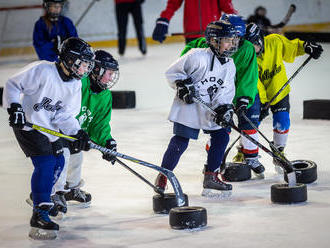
(197, 14)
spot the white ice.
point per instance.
(121, 213)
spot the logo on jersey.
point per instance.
(269, 74)
(213, 88)
(45, 104)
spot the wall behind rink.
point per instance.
(99, 24)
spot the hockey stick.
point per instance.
(85, 12)
(290, 79)
(277, 152)
(169, 174)
(286, 19)
(286, 166)
(189, 33)
(139, 176)
(223, 164)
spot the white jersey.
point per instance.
(47, 100)
(213, 82)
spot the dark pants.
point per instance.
(122, 11)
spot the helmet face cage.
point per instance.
(77, 57)
(218, 32)
(255, 35)
(106, 70)
(48, 3)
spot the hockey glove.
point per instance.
(224, 115)
(112, 145)
(82, 142)
(185, 90)
(16, 116)
(241, 105)
(264, 112)
(160, 31)
(313, 49)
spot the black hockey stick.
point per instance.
(140, 176)
(287, 17)
(85, 12)
(223, 164)
(169, 174)
(277, 152)
(290, 79)
(286, 166)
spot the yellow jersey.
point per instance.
(272, 74)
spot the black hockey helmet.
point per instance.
(255, 35)
(77, 57)
(217, 31)
(106, 70)
(53, 16)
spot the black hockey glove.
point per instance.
(112, 145)
(264, 112)
(241, 105)
(313, 49)
(185, 90)
(82, 142)
(16, 116)
(224, 115)
(160, 31)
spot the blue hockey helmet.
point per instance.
(237, 21)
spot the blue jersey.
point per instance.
(43, 36)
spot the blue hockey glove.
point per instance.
(160, 31)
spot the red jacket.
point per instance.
(198, 13)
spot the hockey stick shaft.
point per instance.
(287, 17)
(222, 166)
(290, 79)
(189, 33)
(139, 176)
(169, 174)
(85, 12)
(279, 155)
(288, 167)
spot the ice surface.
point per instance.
(121, 212)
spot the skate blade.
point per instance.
(213, 193)
(259, 176)
(76, 204)
(29, 201)
(279, 170)
(59, 216)
(42, 234)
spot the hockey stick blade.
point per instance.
(169, 174)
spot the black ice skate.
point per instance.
(42, 228)
(52, 212)
(214, 187)
(256, 167)
(59, 202)
(80, 196)
(161, 182)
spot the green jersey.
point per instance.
(246, 68)
(95, 114)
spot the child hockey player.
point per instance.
(51, 98)
(209, 74)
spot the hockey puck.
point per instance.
(236, 172)
(123, 99)
(162, 204)
(306, 171)
(317, 109)
(282, 193)
(188, 217)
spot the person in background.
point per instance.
(51, 30)
(197, 15)
(123, 9)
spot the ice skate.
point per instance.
(257, 168)
(161, 182)
(42, 228)
(214, 187)
(60, 204)
(52, 212)
(276, 162)
(82, 198)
